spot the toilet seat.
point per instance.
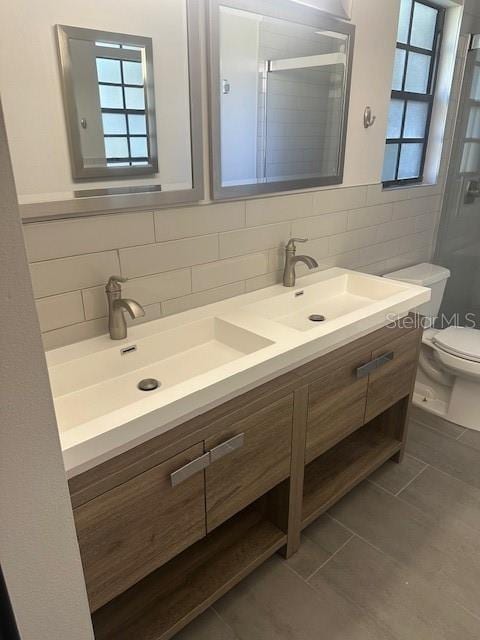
(461, 342)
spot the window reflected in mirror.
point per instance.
(109, 100)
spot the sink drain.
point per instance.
(149, 384)
(316, 317)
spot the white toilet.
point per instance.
(448, 376)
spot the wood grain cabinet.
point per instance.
(168, 527)
(129, 531)
(247, 460)
(394, 375)
(336, 400)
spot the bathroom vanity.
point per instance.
(170, 520)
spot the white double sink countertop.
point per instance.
(206, 356)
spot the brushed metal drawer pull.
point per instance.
(227, 447)
(385, 359)
(190, 469)
(368, 368)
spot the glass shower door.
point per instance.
(458, 245)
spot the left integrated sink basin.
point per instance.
(106, 380)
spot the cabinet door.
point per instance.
(247, 460)
(394, 376)
(336, 400)
(129, 531)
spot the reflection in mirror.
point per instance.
(281, 95)
(109, 101)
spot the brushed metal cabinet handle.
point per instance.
(384, 359)
(190, 469)
(227, 447)
(366, 369)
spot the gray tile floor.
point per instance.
(397, 559)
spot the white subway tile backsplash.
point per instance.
(278, 209)
(60, 311)
(146, 290)
(260, 282)
(369, 216)
(166, 256)
(237, 243)
(173, 224)
(201, 298)
(352, 240)
(181, 258)
(70, 274)
(341, 199)
(59, 239)
(326, 224)
(416, 207)
(215, 274)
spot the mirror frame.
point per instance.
(283, 10)
(128, 197)
(79, 172)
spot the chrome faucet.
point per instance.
(117, 325)
(291, 260)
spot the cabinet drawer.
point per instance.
(248, 460)
(336, 402)
(129, 531)
(395, 375)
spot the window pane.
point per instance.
(116, 147)
(423, 28)
(395, 118)
(135, 98)
(410, 161)
(390, 162)
(111, 97)
(404, 21)
(114, 123)
(471, 158)
(107, 44)
(133, 73)
(418, 69)
(475, 93)
(137, 124)
(398, 69)
(473, 129)
(108, 70)
(416, 120)
(138, 147)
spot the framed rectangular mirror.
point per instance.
(116, 124)
(279, 91)
(109, 95)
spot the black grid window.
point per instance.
(122, 100)
(416, 55)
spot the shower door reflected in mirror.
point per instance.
(280, 89)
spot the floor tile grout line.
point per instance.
(412, 480)
(212, 607)
(330, 558)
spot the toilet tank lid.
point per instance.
(423, 274)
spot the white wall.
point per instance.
(239, 34)
(32, 96)
(38, 546)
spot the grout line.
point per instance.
(330, 558)
(412, 480)
(212, 607)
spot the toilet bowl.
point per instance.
(448, 375)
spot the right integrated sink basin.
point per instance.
(314, 305)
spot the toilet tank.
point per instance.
(425, 275)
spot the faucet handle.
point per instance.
(292, 241)
(113, 283)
